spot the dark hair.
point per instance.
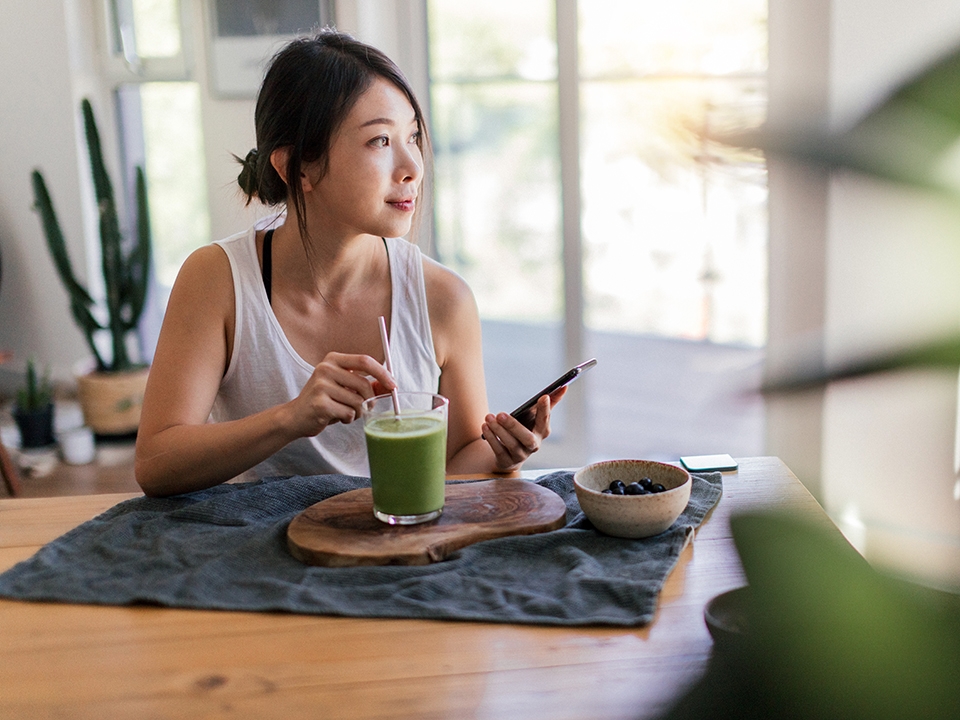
(309, 88)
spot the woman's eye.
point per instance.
(415, 138)
(380, 142)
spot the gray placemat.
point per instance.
(225, 548)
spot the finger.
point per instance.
(335, 394)
(526, 440)
(542, 425)
(345, 403)
(517, 441)
(336, 412)
(557, 394)
(320, 412)
(331, 374)
(362, 366)
(338, 384)
(487, 433)
(380, 389)
(337, 402)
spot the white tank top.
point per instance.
(265, 370)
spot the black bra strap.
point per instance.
(266, 271)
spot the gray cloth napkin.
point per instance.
(225, 548)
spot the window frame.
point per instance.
(120, 62)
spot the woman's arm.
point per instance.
(177, 449)
(477, 441)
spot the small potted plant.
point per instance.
(33, 410)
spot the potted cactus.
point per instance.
(112, 392)
(33, 410)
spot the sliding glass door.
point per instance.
(577, 194)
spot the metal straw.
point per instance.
(389, 363)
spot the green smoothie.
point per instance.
(408, 460)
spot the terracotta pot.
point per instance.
(111, 401)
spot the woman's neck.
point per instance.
(326, 265)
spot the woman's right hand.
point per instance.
(335, 390)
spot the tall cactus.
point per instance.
(125, 269)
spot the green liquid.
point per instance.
(408, 461)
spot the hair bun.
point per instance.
(248, 179)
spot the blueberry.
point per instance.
(657, 487)
(617, 484)
(608, 491)
(633, 489)
(646, 483)
(618, 489)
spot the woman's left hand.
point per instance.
(510, 441)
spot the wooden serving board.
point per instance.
(341, 531)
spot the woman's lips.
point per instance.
(404, 205)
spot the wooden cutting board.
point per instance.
(342, 531)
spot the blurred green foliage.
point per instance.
(829, 636)
(912, 138)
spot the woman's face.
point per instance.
(374, 170)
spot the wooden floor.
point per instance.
(111, 472)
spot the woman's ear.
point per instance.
(309, 176)
(279, 159)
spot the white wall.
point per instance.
(40, 86)
(50, 52)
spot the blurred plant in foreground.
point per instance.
(829, 636)
(911, 138)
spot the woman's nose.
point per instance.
(410, 163)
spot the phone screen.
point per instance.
(526, 413)
(708, 463)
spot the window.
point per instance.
(493, 110)
(674, 228)
(162, 131)
(617, 218)
(146, 40)
(160, 123)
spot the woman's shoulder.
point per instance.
(205, 277)
(237, 245)
(445, 286)
(210, 258)
(215, 257)
(454, 316)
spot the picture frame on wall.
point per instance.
(244, 35)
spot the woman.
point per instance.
(271, 341)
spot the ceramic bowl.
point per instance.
(632, 516)
(727, 617)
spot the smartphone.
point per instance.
(526, 413)
(708, 463)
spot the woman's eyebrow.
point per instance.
(386, 121)
(378, 121)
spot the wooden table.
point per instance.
(75, 661)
